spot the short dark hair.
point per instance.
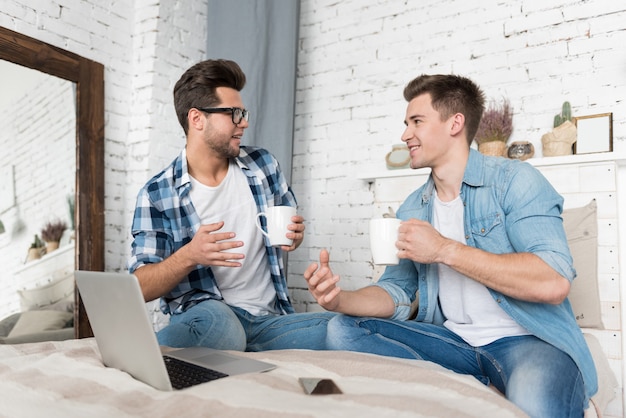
(451, 94)
(196, 87)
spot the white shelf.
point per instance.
(59, 263)
(619, 158)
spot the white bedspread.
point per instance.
(67, 379)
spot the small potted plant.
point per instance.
(495, 128)
(561, 139)
(36, 249)
(52, 232)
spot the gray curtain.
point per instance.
(262, 37)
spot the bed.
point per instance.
(68, 379)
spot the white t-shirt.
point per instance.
(471, 311)
(250, 286)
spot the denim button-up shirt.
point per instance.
(508, 207)
(165, 220)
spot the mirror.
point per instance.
(37, 178)
(88, 79)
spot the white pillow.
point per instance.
(32, 322)
(581, 229)
(42, 296)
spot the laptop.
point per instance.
(119, 320)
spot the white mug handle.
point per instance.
(258, 223)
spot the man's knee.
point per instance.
(210, 324)
(338, 330)
(549, 384)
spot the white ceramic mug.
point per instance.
(277, 219)
(383, 237)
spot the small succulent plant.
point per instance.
(565, 115)
(37, 242)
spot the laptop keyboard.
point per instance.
(183, 374)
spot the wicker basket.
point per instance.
(494, 148)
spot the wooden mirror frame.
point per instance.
(89, 210)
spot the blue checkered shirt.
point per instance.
(165, 220)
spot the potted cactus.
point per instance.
(563, 135)
(36, 249)
(564, 116)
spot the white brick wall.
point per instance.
(356, 56)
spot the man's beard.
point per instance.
(225, 150)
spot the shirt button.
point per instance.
(482, 230)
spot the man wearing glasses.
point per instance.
(195, 242)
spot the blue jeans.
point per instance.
(214, 324)
(540, 379)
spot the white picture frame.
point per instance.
(594, 133)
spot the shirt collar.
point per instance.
(475, 169)
(181, 171)
(473, 176)
(182, 180)
(242, 158)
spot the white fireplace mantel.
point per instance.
(618, 158)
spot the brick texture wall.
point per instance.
(356, 56)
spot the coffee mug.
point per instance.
(277, 219)
(383, 237)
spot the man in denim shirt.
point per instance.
(482, 243)
(195, 243)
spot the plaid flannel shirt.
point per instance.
(165, 220)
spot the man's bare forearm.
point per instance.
(158, 279)
(523, 276)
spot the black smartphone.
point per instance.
(317, 386)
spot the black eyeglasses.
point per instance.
(237, 113)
